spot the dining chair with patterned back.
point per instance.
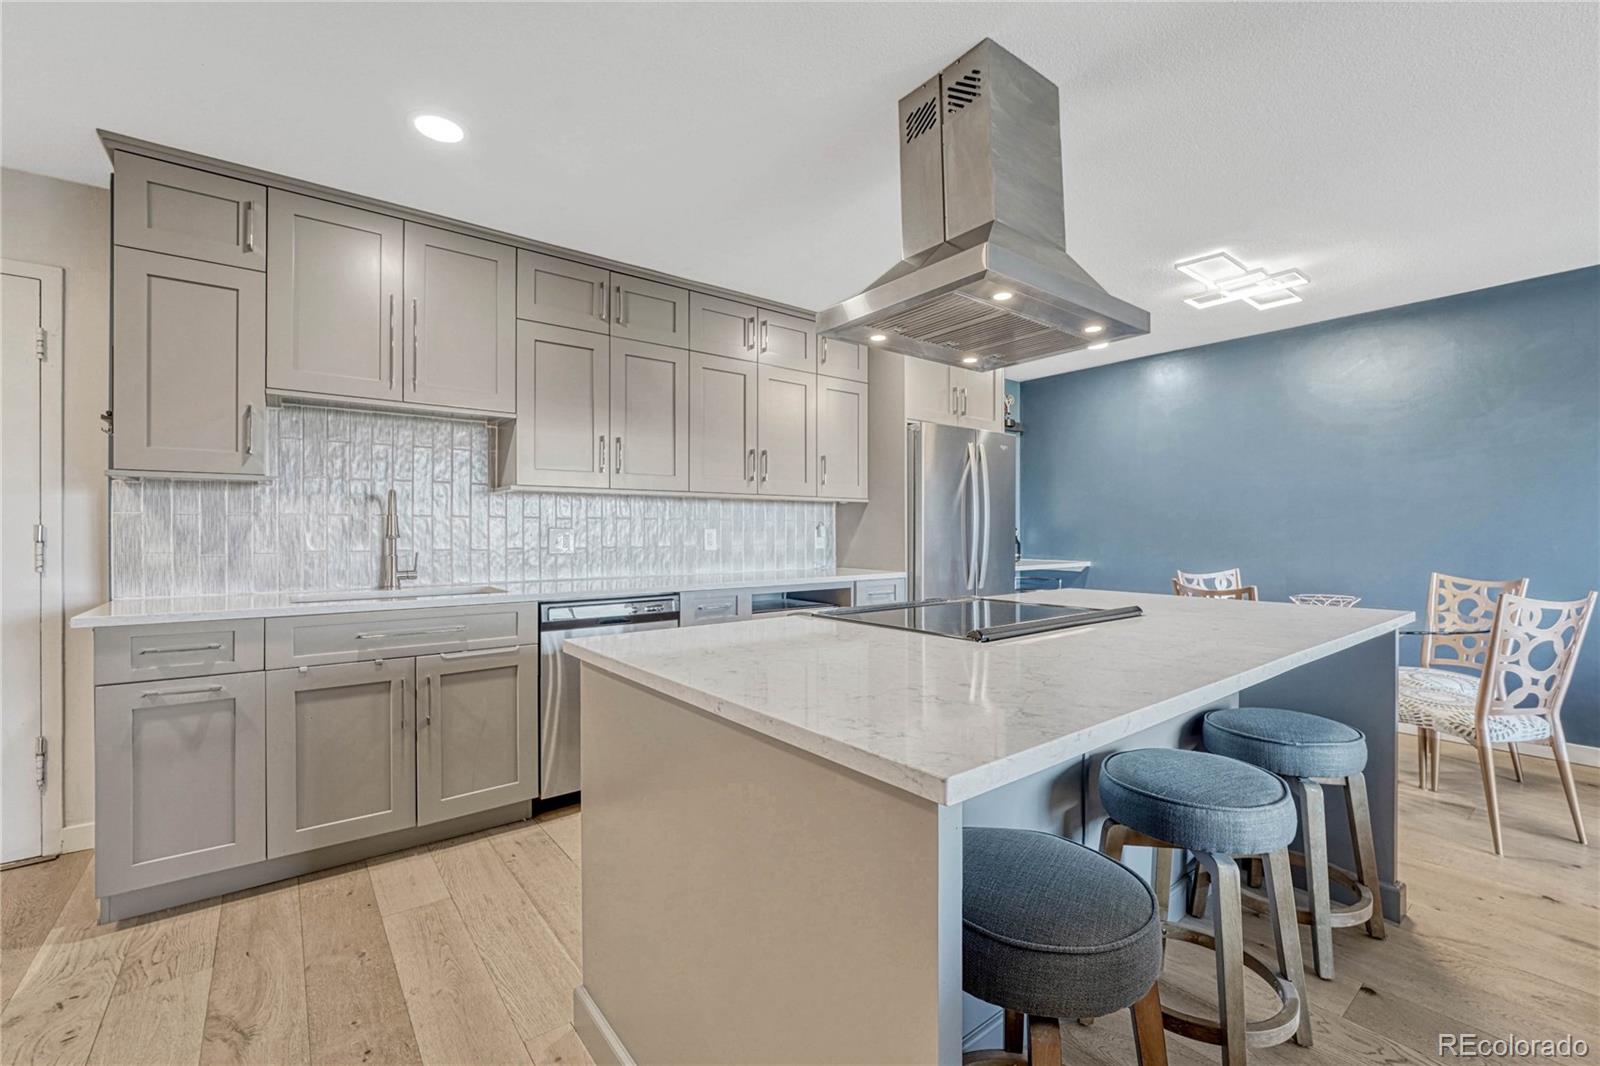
(1216, 579)
(1461, 611)
(1528, 664)
(1238, 592)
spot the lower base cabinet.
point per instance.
(477, 722)
(341, 762)
(179, 779)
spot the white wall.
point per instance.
(64, 224)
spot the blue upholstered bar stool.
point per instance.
(1051, 930)
(1222, 810)
(1310, 752)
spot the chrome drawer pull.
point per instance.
(180, 648)
(410, 633)
(154, 692)
(475, 653)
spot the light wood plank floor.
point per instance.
(467, 952)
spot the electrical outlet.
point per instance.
(821, 538)
(561, 542)
(711, 540)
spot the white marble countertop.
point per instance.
(1076, 566)
(157, 610)
(948, 719)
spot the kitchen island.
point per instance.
(773, 810)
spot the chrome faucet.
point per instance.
(389, 573)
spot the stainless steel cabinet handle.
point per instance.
(180, 648)
(249, 429)
(750, 343)
(249, 225)
(410, 632)
(955, 400)
(391, 340)
(750, 465)
(763, 464)
(744, 333)
(602, 441)
(763, 337)
(427, 713)
(605, 303)
(416, 345)
(963, 401)
(822, 350)
(618, 465)
(622, 308)
(476, 653)
(154, 692)
(822, 463)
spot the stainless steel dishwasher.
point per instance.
(559, 723)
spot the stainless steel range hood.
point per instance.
(981, 217)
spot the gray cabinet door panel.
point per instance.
(649, 311)
(179, 779)
(560, 292)
(460, 332)
(563, 429)
(477, 733)
(786, 340)
(333, 298)
(841, 439)
(341, 756)
(980, 395)
(188, 365)
(841, 359)
(162, 207)
(929, 393)
(722, 424)
(786, 428)
(649, 416)
(722, 327)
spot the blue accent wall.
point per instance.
(1357, 455)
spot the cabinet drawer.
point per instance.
(189, 649)
(704, 608)
(892, 590)
(348, 638)
(162, 207)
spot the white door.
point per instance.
(30, 581)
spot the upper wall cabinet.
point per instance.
(981, 396)
(460, 346)
(722, 327)
(649, 417)
(189, 361)
(334, 292)
(841, 359)
(649, 311)
(162, 207)
(786, 432)
(786, 341)
(722, 425)
(841, 439)
(562, 292)
(562, 435)
(929, 396)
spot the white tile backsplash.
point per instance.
(318, 524)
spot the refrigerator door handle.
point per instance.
(965, 517)
(986, 509)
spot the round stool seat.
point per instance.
(1291, 743)
(1198, 800)
(1052, 928)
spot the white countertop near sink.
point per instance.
(949, 719)
(161, 609)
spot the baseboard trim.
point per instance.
(605, 1047)
(78, 837)
(1580, 754)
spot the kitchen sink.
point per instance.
(416, 592)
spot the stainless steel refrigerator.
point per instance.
(961, 487)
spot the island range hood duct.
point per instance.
(986, 276)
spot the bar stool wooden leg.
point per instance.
(1013, 1030)
(1314, 840)
(1286, 935)
(1149, 1034)
(1199, 886)
(1227, 929)
(1161, 880)
(1360, 814)
(1044, 1041)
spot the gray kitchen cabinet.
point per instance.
(929, 395)
(167, 650)
(562, 434)
(841, 359)
(188, 366)
(459, 335)
(786, 423)
(179, 779)
(341, 756)
(786, 341)
(722, 425)
(719, 326)
(981, 398)
(477, 739)
(163, 207)
(882, 590)
(841, 439)
(649, 416)
(334, 290)
(709, 608)
(649, 311)
(560, 292)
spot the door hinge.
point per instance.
(106, 425)
(40, 746)
(41, 343)
(38, 549)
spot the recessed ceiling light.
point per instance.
(1003, 295)
(438, 128)
(877, 338)
(1098, 345)
(1226, 280)
(1095, 328)
(969, 359)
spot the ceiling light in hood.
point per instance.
(1227, 280)
(1002, 296)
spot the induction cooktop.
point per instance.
(980, 619)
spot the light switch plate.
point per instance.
(711, 540)
(561, 542)
(820, 540)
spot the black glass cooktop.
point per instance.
(979, 619)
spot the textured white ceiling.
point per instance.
(1393, 152)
